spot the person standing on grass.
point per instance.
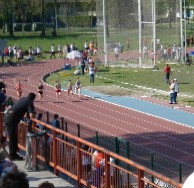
(91, 72)
(176, 90)
(167, 72)
(171, 92)
(58, 90)
(52, 51)
(60, 52)
(40, 91)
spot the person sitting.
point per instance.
(6, 165)
(10, 63)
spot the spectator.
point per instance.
(99, 169)
(176, 90)
(15, 179)
(39, 118)
(10, 63)
(6, 165)
(52, 51)
(83, 66)
(46, 184)
(86, 162)
(13, 117)
(171, 92)
(85, 45)
(55, 122)
(91, 47)
(2, 100)
(9, 103)
(167, 72)
(60, 52)
(38, 51)
(91, 72)
(116, 51)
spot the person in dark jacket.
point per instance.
(24, 105)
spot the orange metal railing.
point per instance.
(87, 163)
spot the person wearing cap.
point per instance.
(171, 92)
(176, 90)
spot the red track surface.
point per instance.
(171, 139)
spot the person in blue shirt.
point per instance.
(55, 122)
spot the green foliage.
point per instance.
(79, 21)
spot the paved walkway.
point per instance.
(35, 178)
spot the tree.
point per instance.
(7, 8)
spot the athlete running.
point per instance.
(57, 90)
(78, 87)
(69, 88)
(18, 88)
(40, 91)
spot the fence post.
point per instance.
(152, 164)
(180, 173)
(47, 117)
(117, 145)
(62, 126)
(79, 162)
(107, 171)
(97, 138)
(55, 153)
(1, 124)
(78, 130)
(66, 130)
(140, 177)
(128, 157)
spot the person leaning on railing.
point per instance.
(12, 118)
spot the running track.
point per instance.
(160, 135)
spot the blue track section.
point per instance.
(146, 107)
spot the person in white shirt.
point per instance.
(52, 51)
(91, 72)
(60, 52)
(38, 51)
(176, 90)
(116, 51)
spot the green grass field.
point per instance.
(114, 76)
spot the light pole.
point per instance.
(185, 32)
(105, 34)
